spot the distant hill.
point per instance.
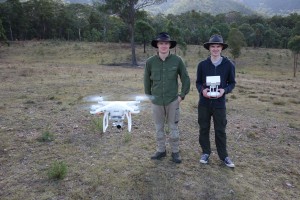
(206, 6)
(79, 1)
(272, 7)
(247, 7)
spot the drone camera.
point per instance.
(119, 126)
(117, 121)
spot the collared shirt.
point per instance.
(161, 79)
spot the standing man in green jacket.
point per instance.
(161, 84)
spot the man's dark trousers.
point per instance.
(220, 121)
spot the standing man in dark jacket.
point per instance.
(161, 84)
(212, 103)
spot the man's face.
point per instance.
(215, 49)
(163, 47)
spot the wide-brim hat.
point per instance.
(215, 39)
(163, 37)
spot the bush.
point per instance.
(58, 170)
(97, 125)
(127, 137)
(46, 137)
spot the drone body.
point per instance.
(116, 111)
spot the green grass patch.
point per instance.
(253, 96)
(127, 137)
(97, 125)
(58, 170)
(264, 99)
(233, 96)
(278, 102)
(294, 101)
(46, 136)
(294, 126)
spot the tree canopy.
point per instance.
(294, 46)
(103, 21)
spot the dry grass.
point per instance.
(42, 87)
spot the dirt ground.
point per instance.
(43, 86)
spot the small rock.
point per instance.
(289, 184)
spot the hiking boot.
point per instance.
(204, 158)
(158, 155)
(176, 157)
(228, 162)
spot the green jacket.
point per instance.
(161, 79)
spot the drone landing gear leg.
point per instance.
(128, 115)
(105, 121)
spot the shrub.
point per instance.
(279, 102)
(233, 96)
(97, 125)
(127, 137)
(46, 137)
(58, 170)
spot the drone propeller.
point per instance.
(93, 98)
(140, 97)
(89, 101)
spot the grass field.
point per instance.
(52, 148)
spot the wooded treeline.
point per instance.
(54, 19)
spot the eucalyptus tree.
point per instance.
(236, 41)
(2, 34)
(158, 22)
(248, 33)
(285, 34)
(190, 22)
(127, 10)
(213, 30)
(13, 19)
(43, 17)
(144, 31)
(203, 34)
(223, 28)
(294, 46)
(259, 33)
(79, 16)
(175, 32)
(271, 38)
(296, 29)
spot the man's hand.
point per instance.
(179, 99)
(221, 91)
(204, 92)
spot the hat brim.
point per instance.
(207, 44)
(172, 42)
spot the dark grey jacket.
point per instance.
(226, 71)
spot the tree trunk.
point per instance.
(133, 56)
(44, 32)
(11, 33)
(79, 34)
(131, 28)
(295, 63)
(144, 45)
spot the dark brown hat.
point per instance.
(215, 39)
(163, 37)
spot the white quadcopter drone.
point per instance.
(116, 111)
